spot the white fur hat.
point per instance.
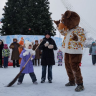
(27, 43)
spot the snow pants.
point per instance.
(93, 59)
(72, 67)
(0, 61)
(32, 75)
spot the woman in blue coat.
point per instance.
(25, 55)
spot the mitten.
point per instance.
(75, 37)
(33, 53)
(25, 53)
(51, 46)
(31, 58)
(46, 44)
(12, 46)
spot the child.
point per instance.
(5, 54)
(59, 57)
(25, 55)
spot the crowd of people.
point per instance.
(27, 54)
(17, 48)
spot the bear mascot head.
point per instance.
(70, 21)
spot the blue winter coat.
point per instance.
(29, 66)
(92, 49)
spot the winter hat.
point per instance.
(14, 39)
(27, 43)
(5, 46)
(93, 42)
(48, 32)
(36, 40)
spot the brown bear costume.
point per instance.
(74, 38)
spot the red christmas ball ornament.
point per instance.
(29, 29)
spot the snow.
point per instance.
(57, 88)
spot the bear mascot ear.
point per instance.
(57, 22)
(67, 14)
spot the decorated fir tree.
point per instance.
(27, 17)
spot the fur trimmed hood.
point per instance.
(27, 43)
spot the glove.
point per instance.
(46, 44)
(25, 53)
(31, 58)
(50, 46)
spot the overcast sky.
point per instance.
(85, 8)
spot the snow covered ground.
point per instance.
(57, 88)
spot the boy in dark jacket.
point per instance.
(47, 59)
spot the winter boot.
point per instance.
(19, 83)
(50, 81)
(35, 82)
(79, 88)
(42, 81)
(70, 84)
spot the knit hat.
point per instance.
(5, 46)
(48, 32)
(27, 43)
(36, 40)
(93, 42)
(14, 39)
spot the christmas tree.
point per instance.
(27, 17)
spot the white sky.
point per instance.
(85, 8)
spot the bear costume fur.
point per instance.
(74, 39)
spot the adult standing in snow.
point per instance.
(47, 59)
(1, 48)
(92, 51)
(15, 52)
(38, 52)
(74, 38)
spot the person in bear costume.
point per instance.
(74, 38)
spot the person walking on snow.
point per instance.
(25, 55)
(47, 59)
(92, 51)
